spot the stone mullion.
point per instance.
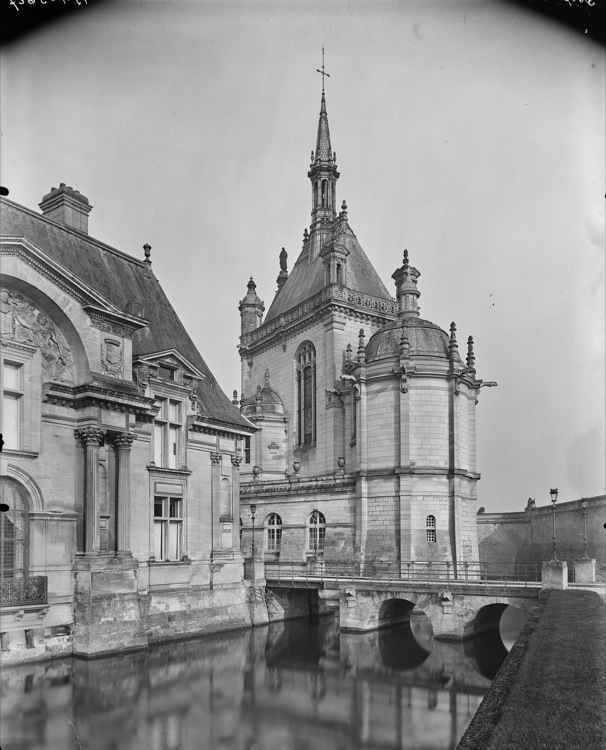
(92, 438)
(123, 442)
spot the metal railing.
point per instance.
(22, 592)
(503, 574)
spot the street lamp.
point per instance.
(253, 510)
(585, 550)
(554, 497)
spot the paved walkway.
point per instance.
(550, 692)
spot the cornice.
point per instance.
(206, 426)
(94, 394)
(259, 488)
(332, 296)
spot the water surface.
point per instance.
(290, 686)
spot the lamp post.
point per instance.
(585, 550)
(253, 510)
(554, 497)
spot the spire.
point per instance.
(323, 175)
(406, 287)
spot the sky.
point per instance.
(469, 132)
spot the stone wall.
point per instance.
(527, 536)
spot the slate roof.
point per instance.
(308, 278)
(122, 279)
(425, 339)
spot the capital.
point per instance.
(123, 440)
(215, 457)
(236, 460)
(89, 435)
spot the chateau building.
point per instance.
(120, 466)
(366, 447)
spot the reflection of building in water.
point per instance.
(247, 689)
(121, 453)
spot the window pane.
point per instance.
(158, 503)
(10, 420)
(158, 540)
(307, 406)
(175, 508)
(173, 542)
(166, 372)
(11, 376)
(174, 411)
(172, 448)
(158, 452)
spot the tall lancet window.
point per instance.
(306, 393)
(324, 193)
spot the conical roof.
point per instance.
(307, 278)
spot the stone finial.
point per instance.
(343, 214)
(471, 360)
(405, 264)
(235, 398)
(361, 346)
(348, 352)
(453, 347)
(147, 251)
(251, 286)
(305, 236)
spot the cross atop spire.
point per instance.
(322, 72)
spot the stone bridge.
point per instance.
(456, 610)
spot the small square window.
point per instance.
(167, 373)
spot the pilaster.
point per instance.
(91, 438)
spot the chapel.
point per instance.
(365, 450)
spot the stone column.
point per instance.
(216, 461)
(123, 442)
(91, 438)
(235, 484)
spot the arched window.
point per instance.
(315, 194)
(324, 193)
(339, 274)
(306, 394)
(316, 531)
(13, 531)
(430, 526)
(274, 533)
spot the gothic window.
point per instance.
(306, 393)
(324, 193)
(247, 450)
(315, 194)
(167, 434)
(339, 274)
(168, 528)
(430, 525)
(316, 532)
(274, 533)
(12, 403)
(13, 531)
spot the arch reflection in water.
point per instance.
(491, 635)
(405, 635)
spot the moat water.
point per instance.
(297, 685)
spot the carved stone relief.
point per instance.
(142, 373)
(111, 358)
(21, 321)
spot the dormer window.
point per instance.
(166, 373)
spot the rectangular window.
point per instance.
(246, 450)
(12, 394)
(167, 434)
(168, 528)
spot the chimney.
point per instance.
(67, 206)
